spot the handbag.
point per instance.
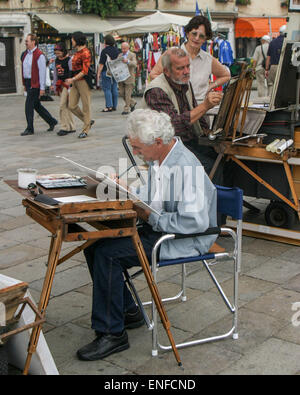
(108, 71)
(90, 77)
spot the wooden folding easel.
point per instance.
(110, 219)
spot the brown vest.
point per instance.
(162, 83)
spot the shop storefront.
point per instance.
(248, 31)
(13, 28)
(52, 28)
(153, 34)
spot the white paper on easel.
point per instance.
(96, 175)
(75, 199)
(42, 362)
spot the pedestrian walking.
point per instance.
(108, 83)
(260, 57)
(126, 87)
(62, 71)
(273, 57)
(34, 79)
(81, 62)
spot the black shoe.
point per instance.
(26, 132)
(82, 135)
(92, 123)
(52, 126)
(65, 132)
(125, 113)
(103, 346)
(133, 320)
(133, 107)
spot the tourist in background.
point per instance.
(81, 62)
(62, 71)
(108, 83)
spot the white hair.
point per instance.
(148, 125)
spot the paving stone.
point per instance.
(66, 308)
(66, 280)
(276, 303)
(266, 248)
(273, 357)
(20, 253)
(249, 288)
(206, 359)
(276, 270)
(253, 329)
(13, 223)
(293, 283)
(36, 269)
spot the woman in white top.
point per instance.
(202, 64)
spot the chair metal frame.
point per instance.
(235, 255)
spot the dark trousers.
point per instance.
(33, 103)
(107, 260)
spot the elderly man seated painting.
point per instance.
(183, 200)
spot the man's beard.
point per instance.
(180, 82)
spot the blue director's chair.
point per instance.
(229, 203)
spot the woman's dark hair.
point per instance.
(61, 47)
(195, 22)
(79, 38)
(109, 40)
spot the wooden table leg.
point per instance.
(154, 292)
(54, 252)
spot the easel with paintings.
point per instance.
(229, 142)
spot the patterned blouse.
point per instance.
(81, 61)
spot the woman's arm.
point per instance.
(220, 72)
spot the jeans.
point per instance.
(106, 259)
(110, 89)
(33, 103)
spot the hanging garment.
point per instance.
(225, 53)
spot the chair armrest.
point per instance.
(209, 231)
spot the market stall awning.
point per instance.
(70, 23)
(258, 27)
(153, 23)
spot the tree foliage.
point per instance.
(104, 8)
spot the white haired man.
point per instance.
(182, 193)
(126, 87)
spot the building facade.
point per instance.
(15, 24)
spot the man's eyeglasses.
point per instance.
(198, 35)
(34, 189)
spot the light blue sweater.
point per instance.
(189, 203)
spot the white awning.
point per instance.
(156, 22)
(70, 23)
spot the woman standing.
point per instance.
(202, 64)
(81, 62)
(109, 84)
(62, 71)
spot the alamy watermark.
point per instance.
(168, 184)
(2, 314)
(296, 317)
